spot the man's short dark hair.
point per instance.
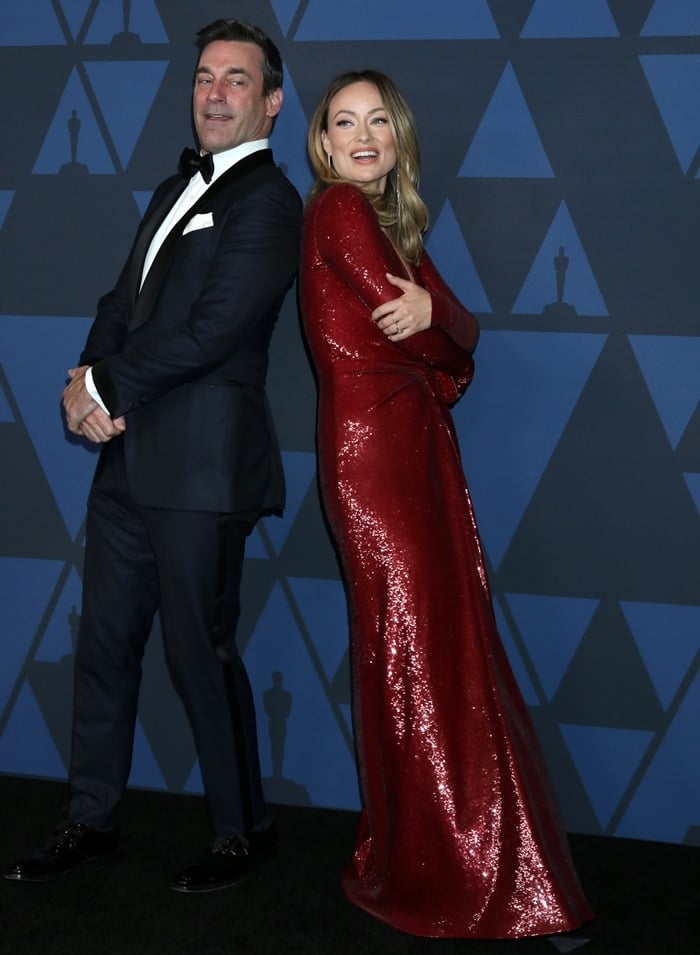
(243, 32)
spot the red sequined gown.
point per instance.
(459, 835)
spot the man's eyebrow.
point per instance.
(230, 71)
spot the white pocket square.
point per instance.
(203, 220)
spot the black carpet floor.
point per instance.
(646, 895)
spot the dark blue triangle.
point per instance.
(552, 628)
(668, 637)
(6, 197)
(665, 804)
(284, 11)
(74, 11)
(671, 77)
(671, 368)
(451, 255)
(125, 92)
(142, 198)
(289, 140)
(27, 722)
(515, 659)
(6, 414)
(145, 771)
(511, 418)
(556, 19)
(507, 144)
(38, 353)
(299, 472)
(397, 20)
(25, 589)
(693, 482)
(606, 759)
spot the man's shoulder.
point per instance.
(262, 178)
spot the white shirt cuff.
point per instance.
(92, 390)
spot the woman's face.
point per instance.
(359, 137)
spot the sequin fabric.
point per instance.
(459, 835)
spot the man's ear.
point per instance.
(274, 102)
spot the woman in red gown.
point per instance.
(459, 834)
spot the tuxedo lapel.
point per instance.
(159, 267)
(149, 229)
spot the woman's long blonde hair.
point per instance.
(400, 210)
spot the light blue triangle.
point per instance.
(29, 24)
(515, 659)
(557, 19)
(580, 288)
(145, 772)
(26, 587)
(668, 638)
(507, 144)
(26, 746)
(512, 416)
(397, 20)
(323, 607)
(142, 198)
(6, 197)
(665, 804)
(144, 21)
(673, 18)
(316, 754)
(671, 368)
(60, 635)
(55, 151)
(284, 11)
(671, 77)
(299, 473)
(38, 352)
(126, 92)
(289, 140)
(451, 255)
(693, 482)
(74, 11)
(606, 759)
(552, 628)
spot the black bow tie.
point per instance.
(192, 162)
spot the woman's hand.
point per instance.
(402, 317)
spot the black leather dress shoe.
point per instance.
(227, 861)
(72, 845)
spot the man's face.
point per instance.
(228, 104)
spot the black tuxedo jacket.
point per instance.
(185, 359)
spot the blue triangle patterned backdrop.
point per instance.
(561, 165)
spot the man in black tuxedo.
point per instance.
(172, 383)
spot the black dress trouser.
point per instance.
(187, 565)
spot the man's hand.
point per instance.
(99, 427)
(83, 414)
(77, 402)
